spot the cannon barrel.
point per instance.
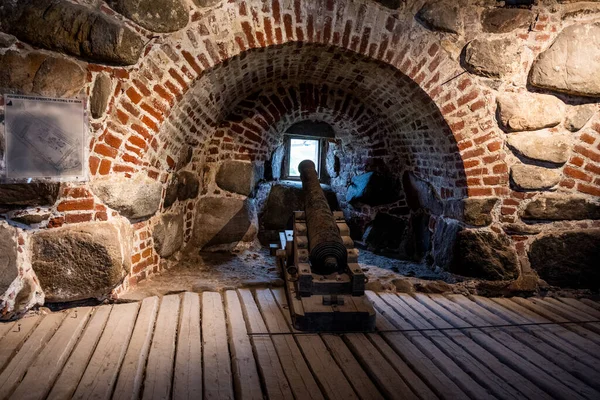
(327, 251)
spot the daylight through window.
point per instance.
(300, 150)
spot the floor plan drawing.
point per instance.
(44, 137)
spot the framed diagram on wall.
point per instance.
(45, 138)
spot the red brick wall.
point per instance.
(415, 106)
(231, 81)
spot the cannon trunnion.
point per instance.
(324, 282)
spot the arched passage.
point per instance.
(376, 33)
(233, 76)
(395, 113)
(385, 123)
(396, 100)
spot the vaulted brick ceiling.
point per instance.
(265, 90)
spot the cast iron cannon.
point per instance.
(324, 282)
(327, 251)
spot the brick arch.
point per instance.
(255, 127)
(141, 130)
(402, 116)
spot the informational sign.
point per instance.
(45, 138)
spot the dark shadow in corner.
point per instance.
(233, 231)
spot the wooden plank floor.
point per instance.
(241, 345)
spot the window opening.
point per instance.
(306, 140)
(301, 149)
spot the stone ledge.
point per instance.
(558, 207)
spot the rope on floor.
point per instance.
(461, 328)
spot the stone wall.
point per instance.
(487, 109)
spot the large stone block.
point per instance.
(418, 241)
(442, 16)
(100, 95)
(568, 259)
(529, 112)
(421, 194)
(572, 63)
(444, 240)
(504, 20)
(206, 3)
(9, 269)
(494, 58)
(6, 40)
(168, 234)
(186, 153)
(332, 161)
(184, 185)
(275, 164)
(542, 146)
(81, 261)
(188, 185)
(386, 234)
(171, 192)
(557, 207)
(18, 70)
(73, 29)
(154, 15)
(485, 255)
(58, 77)
(531, 177)
(38, 73)
(580, 10)
(135, 198)
(28, 194)
(223, 220)
(238, 177)
(478, 211)
(23, 294)
(578, 116)
(473, 211)
(31, 216)
(373, 189)
(283, 200)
